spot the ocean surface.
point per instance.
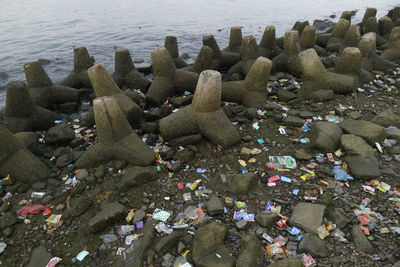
(51, 29)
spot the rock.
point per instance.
(141, 248)
(322, 95)
(241, 183)
(108, 215)
(266, 218)
(140, 214)
(288, 263)
(166, 243)
(354, 115)
(360, 157)
(293, 121)
(181, 101)
(149, 127)
(138, 175)
(312, 244)
(369, 131)
(361, 241)
(60, 134)
(82, 174)
(240, 225)
(305, 114)
(214, 206)
(79, 205)
(100, 171)
(7, 219)
(208, 242)
(397, 264)
(302, 154)
(325, 136)
(339, 217)
(393, 133)
(387, 118)
(307, 216)
(186, 140)
(285, 95)
(39, 257)
(184, 155)
(251, 253)
(245, 153)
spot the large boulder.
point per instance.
(136, 176)
(325, 136)
(360, 157)
(106, 217)
(368, 130)
(241, 184)
(307, 216)
(387, 118)
(361, 241)
(312, 244)
(208, 246)
(251, 253)
(60, 134)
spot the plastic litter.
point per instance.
(53, 262)
(124, 230)
(108, 238)
(81, 255)
(283, 161)
(341, 175)
(161, 215)
(31, 209)
(3, 247)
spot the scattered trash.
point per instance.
(53, 262)
(30, 209)
(161, 215)
(81, 255)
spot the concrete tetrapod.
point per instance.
(370, 12)
(126, 74)
(21, 114)
(19, 162)
(268, 47)
(104, 85)
(372, 26)
(315, 76)
(115, 138)
(288, 60)
(351, 38)
(349, 63)
(235, 40)
(252, 91)
(204, 115)
(249, 53)
(78, 77)
(339, 31)
(385, 26)
(370, 60)
(167, 79)
(44, 93)
(204, 60)
(171, 44)
(393, 50)
(222, 59)
(307, 40)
